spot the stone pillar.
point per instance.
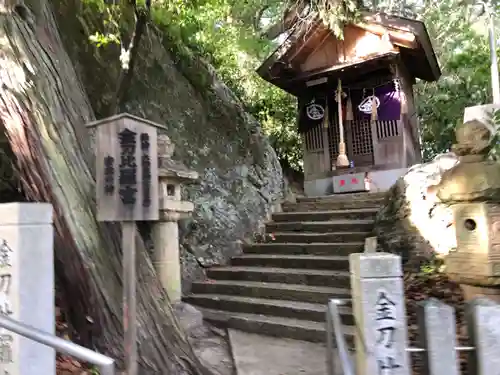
(167, 257)
(27, 285)
(380, 314)
(171, 175)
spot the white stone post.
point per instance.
(27, 285)
(167, 262)
(379, 313)
(483, 326)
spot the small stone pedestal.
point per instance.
(172, 209)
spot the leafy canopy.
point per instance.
(229, 34)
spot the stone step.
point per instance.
(321, 226)
(301, 237)
(341, 248)
(338, 279)
(291, 292)
(318, 262)
(328, 205)
(358, 213)
(342, 197)
(269, 307)
(325, 206)
(274, 326)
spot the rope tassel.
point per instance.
(374, 107)
(326, 116)
(404, 104)
(349, 115)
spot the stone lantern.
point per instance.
(171, 175)
(472, 189)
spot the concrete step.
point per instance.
(343, 197)
(274, 326)
(291, 292)
(333, 248)
(269, 307)
(321, 226)
(338, 279)
(357, 213)
(315, 262)
(326, 206)
(301, 237)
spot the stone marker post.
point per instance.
(27, 285)
(379, 313)
(483, 325)
(437, 335)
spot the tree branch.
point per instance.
(290, 17)
(128, 57)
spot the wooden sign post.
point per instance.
(127, 191)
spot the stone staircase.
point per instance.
(280, 288)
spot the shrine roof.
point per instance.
(312, 52)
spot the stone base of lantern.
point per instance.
(166, 243)
(167, 260)
(470, 292)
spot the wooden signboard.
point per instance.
(127, 191)
(127, 168)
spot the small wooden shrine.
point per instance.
(356, 110)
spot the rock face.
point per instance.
(240, 176)
(412, 222)
(43, 110)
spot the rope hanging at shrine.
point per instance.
(383, 102)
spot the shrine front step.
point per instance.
(296, 329)
(325, 206)
(287, 248)
(314, 262)
(347, 197)
(301, 237)
(328, 215)
(323, 227)
(277, 291)
(338, 279)
(336, 202)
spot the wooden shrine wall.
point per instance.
(411, 128)
(384, 144)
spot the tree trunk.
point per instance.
(44, 110)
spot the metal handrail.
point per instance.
(335, 341)
(106, 364)
(334, 329)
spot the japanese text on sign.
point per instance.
(128, 167)
(385, 332)
(6, 339)
(146, 170)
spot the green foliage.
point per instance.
(432, 267)
(461, 44)
(226, 33)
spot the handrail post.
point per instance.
(330, 365)
(334, 330)
(106, 364)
